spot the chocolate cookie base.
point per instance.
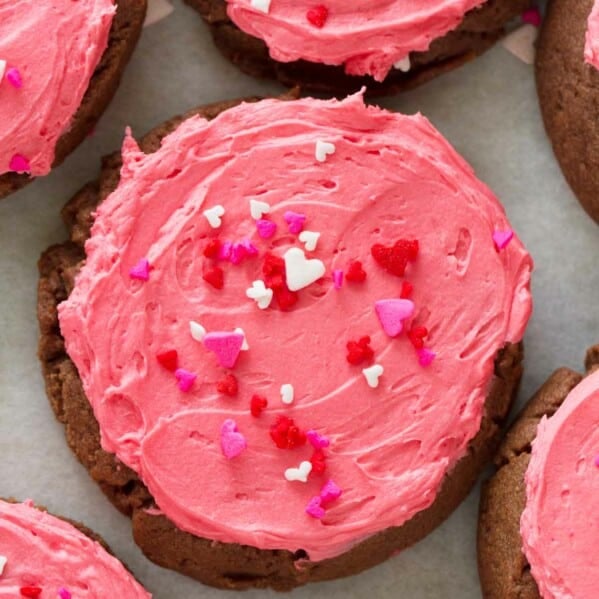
(124, 33)
(222, 565)
(568, 90)
(503, 568)
(479, 30)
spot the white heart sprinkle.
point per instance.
(257, 209)
(309, 239)
(323, 149)
(213, 216)
(198, 332)
(403, 65)
(300, 271)
(261, 5)
(260, 293)
(3, 560)
(372, 375)
(287, 393)
(2, 69)
(299, 474)
(244, 346)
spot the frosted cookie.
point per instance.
(45, 556)
(536, 539)
(298, 326)
(60, 65)
(567, 70)
(336, 46)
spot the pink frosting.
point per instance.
(367, 37)
(46, 552)
(559, 525)
(55, 45)
(591, 51)
(390, 176)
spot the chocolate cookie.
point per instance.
(223, 565)
(478, 31)
(124, 34)
(568, 90)
(503, 567)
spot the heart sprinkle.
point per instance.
(502, 238)
(317, 440)
(318, 16)
(392, 313)
(31, 592)
(315, 509)
(337, 278)
(228, 386)
(274, 276)
(319, 462)
(309, 239)
(417, 335)
(359, 351)
(261, 5)
(19, 164)
(212, 248)
(141, 271)
(260, 294)
(64, 594)
(330, 492)
(299, 474)
(295, 221)
(225, 345)
(198, 332)
(395, 259)
(323, 149)
(214, 276)
(224, 252)
(406, 290)
(213, 216)
(532, 16)
(355, 272)
(13, 76)
(232, 442)
(372, 375)
(426, 357)
(168, 359)
(404, 65)
(301, 272)
(257, 404)
(185, 379)
(258, 209)
(286, 435)
(266, 228)
(287, 394)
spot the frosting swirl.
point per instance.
(368, 38)
(378, 177)
(39, 551)
(558, 527)
(51, 48)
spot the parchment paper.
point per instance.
(487, 109)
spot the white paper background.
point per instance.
(488, 110)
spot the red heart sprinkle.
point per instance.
(355, 273)
(285, 299)
(359, 351)
(318, 15)
(257, 404)
(395, 259)
(286, 434)
(169, 359)
(417, 335)
(214, 276)
(406, 290)
(318, 461)
(30, 591)
(212, 248)
(228, 385)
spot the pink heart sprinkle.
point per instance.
(426, 357)
(597, 461)
(295, 221)
(64, 594)
(317, 441)
(185, 379)
(232, 442)
(315, 509)
(141, 270)
(266, 228)
(329, 493)
(502, 238)
(19, 164)
(224, 252)
(226, 346)
(392, 313)
(13, 76)
(238, 253)
(337, 278)
(532, 16)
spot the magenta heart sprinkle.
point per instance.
(13, 76)
(232, 442)
(337, 278)
(426, 357)
(226, 346)
(185, 379)
(317, 441)
(141, 270)
(224, 252)
(64, 594)
(502, 238)
(19, 164)
(329, 493)
(315, 509)
(266, 228)
(295, 221)
(532, 16)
